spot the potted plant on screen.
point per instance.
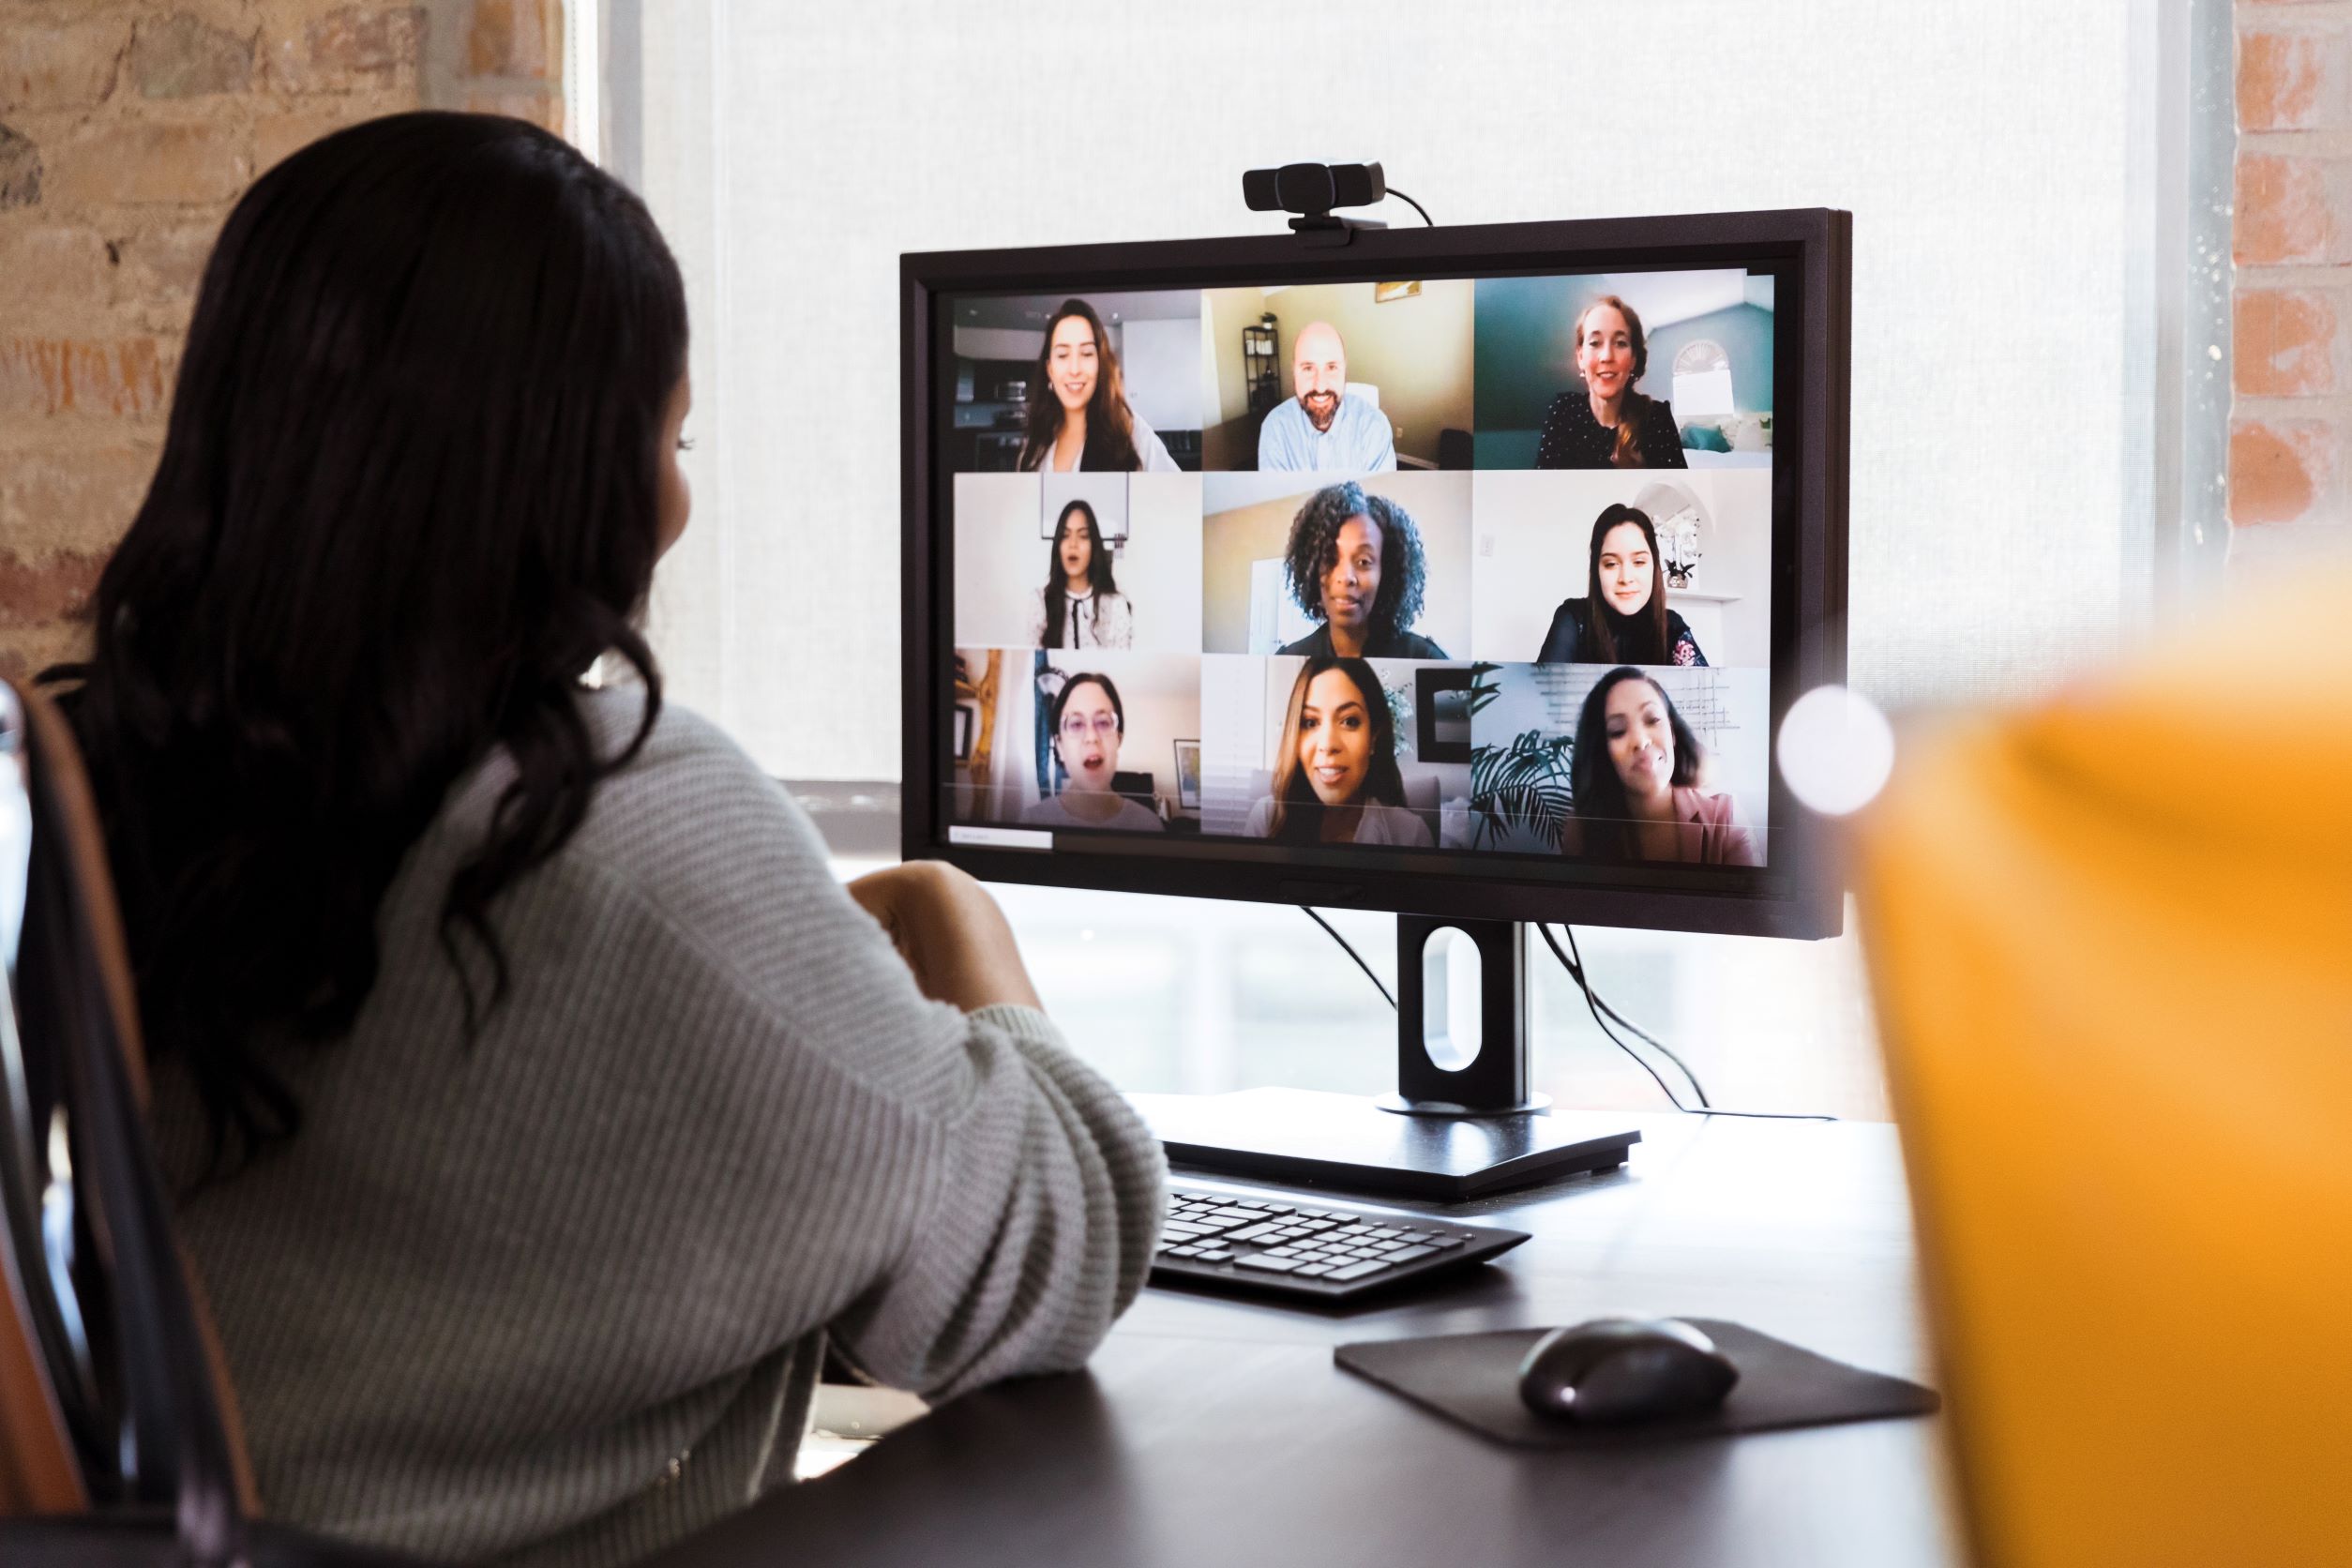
(1522, 786)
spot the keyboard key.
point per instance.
(1264, 1264)
(1411, 1252)
(1442, 1243)
(1184, 1252)
(1215, 1255)
(1254, 1233)
(1357, 1271)
(1310, 1271)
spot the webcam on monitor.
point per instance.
(1312, 190)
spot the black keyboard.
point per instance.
(1309, 1252)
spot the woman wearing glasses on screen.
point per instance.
(1635, 781)
(1077, 415)
(1622, 617)
(1335, 780)
(1080, 606)
(1605, 423)
(1354, 563)
(1089, 721)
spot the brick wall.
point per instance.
(126, 131)
(2290, 438)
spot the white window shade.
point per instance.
(792, 152)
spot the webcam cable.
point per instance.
(1415, 205)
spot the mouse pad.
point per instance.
(1473, 1378)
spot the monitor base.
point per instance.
(1305, 1137)
(1399, 1105)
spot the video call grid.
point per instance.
(1486, 544)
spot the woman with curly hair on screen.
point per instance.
(1355, 563)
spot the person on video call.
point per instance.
(1622, 617)
(1089, 721)
(1080, 606)
(1605, 423)
(1635, 781)
(1354, 562)
(1335, 779)
(1323, 429)
(539, 1106)
(1077, 415)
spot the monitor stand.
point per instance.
(1463, 1121)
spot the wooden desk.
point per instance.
(1211, 1430)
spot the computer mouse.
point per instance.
(1618, 1371)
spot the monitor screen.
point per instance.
(1463, 576)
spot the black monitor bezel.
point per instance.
(1799, 894)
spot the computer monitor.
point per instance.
(1460, 572)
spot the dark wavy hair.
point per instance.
(1298, 811)
(1109, 426)
(1635, 407)
(1642, 637)
(1057, 581)
(1314, 546)
(409, 492)
(1603, 814)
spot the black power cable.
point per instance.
(1576, 971)
(1351, 953)
(1598, 1006)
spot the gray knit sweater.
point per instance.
(561, 1297)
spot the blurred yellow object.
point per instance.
(2111, 945)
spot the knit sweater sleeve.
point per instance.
(956, 1199)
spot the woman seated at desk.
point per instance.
(1354, 562)
(1078, 416)
(1635, 781)
(1622, 617)
(1089, 722)
(1607, 422)
(542, 1105)
(1335, 779)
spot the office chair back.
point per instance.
(119, 1439)
(2112, 943)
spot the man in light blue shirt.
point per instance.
(1323, 429)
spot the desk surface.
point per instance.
(1209, 1430)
